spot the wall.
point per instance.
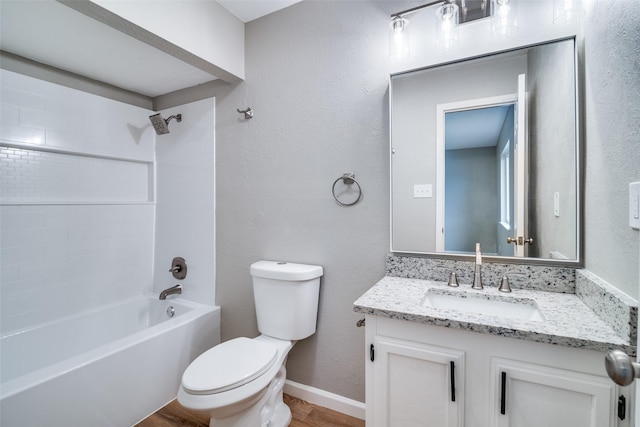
(415, 98)
(76, 210)
(317, 78)
(546, 69)
(612, 87)
(471, 202)
(185, 207)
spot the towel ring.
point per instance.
(347, 179)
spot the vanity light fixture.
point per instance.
(449, 15)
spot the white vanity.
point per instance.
(537, 361)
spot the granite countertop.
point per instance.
(567, 320)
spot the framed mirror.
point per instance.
(487, 150)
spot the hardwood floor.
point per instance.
(304, 414)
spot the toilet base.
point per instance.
(269, 411)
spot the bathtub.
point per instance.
(110, 367)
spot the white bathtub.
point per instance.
(108, 367)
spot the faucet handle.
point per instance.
(453, 280)
(178, 268)
(504, 283)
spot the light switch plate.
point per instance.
(634, 205)
(422, 191)
(556, 204)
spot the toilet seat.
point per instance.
(229, 365)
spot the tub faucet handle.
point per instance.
(178, 268)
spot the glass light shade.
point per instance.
(504, 20)
(447, 19)
(399, 39)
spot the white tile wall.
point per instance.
(41, 113)
(75, 228)
(28, 176)
(185, 219)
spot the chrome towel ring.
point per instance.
(349, 179)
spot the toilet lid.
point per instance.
(229, 365)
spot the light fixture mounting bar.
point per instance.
(473, 9)
(417, 8)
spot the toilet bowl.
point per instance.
(240, 382)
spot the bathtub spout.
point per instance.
(177, 289)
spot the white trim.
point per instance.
(325, 399)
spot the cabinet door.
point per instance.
(529, 395)
(417, 384)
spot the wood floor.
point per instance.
(304, 414)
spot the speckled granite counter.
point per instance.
(568, 321)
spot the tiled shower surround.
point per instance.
(76, 201)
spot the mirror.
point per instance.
(486, 150)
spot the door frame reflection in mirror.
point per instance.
(443, 226)
(576, 167)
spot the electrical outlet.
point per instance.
(421, 191)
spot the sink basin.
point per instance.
(515, 308)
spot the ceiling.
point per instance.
(51, 33)
(475, 128)
(248, 10)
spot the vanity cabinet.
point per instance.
(424, 375)
(417, 384)
(529, 395)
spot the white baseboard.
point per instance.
(323, 398)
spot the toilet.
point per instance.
(239, 382)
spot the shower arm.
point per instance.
(178, 118)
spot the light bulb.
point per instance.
(399, 38)
(447, 18)
(504, 18)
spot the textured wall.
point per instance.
(552, 150)
(316, 78)
(612, 86)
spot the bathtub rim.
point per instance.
(50, 372)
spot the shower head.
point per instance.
(160, 124)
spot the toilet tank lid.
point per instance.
(285, 270)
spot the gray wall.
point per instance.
(415, 98)
(612, 87)
(471, 203)
(316, 78)
(551, 150)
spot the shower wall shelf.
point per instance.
(40, 175)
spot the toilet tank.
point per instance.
(286, 298)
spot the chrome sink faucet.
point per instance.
(177, 289)
(477, 274)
